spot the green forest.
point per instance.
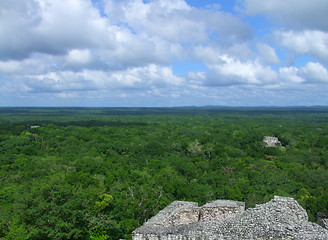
(99, 173)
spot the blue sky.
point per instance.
(104, 53)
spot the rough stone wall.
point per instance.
(182, 213)
(164, 216)
(216, 208)
(281, 218)
(184, 216)
(323, 219)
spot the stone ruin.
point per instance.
(281, 218)
(323, 219)
(272, 141)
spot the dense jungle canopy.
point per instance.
(99, 173)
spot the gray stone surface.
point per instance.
(281, 218)
(272, 141)
(323, 219)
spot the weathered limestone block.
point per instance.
(215, 208)
(162, 218)
(323, 219)
(183, 216)
(281, 218)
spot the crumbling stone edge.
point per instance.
(280, 218)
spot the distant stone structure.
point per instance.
(272, 141)
(281, 218)
(323, 219)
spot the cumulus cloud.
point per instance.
(77, 57)
(75, 33)
(176, 21)
(290, 74)
(129, 50)
(9, 67)
(137, 78)
(52, 49)
(207, 54)
(314, 43)
(147, 77)
(139, 49)
(312, 72)
(231, 71)
(36, 64)
(50, 26)
(267, 54)
(291, 13)
(211, 54)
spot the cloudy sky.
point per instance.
(163, 52)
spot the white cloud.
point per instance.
(293, 13)
(314, 73)
(232, 71)
(210, 54)
(267, 54)
(139, 49)
(147, 77)
(9, 67)
(76, 35)
(290, 74)
(137, 78)
(175, 21)
(314, 43)
(207, 54)
(50, 26)
(37, 64)
(196, 79)
(54, 49)
(310, 73)
(78, 57)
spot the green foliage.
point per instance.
(106, 201)
(100, 173)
